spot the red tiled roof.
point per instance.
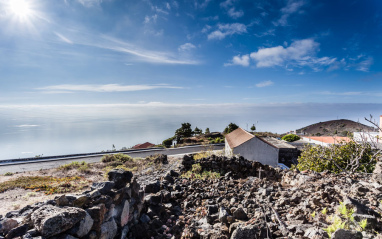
(329, 139)
(237, 137)
(143, 146)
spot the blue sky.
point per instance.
(190, 52)
(81, 75)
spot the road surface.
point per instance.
(56, 162)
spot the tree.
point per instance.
(198, 131)
(184, 132)
(253, 128)
(231, 127)
(290, 137)
(168, 142)
(207, 131)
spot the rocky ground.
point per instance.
(249, 200)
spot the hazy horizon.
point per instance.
(31, 130)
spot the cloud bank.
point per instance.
(104, 88)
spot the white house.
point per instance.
(241, 142)
(372, 137)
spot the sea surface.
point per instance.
(30, 130)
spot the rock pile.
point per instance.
(249, 200)
(107, 210)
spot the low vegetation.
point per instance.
(348, 157)
(120, 157)
(290, 137)
(47, 184)
(197, 173)
(344, 219)
(80, 166)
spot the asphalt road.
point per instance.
(46, 164)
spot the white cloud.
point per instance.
(63, 38)
(227, 30)
(27, 125)
(270, 32)
(239, 60)
(265, 83)
(106, 88)
(364, 65)
(203, 4)
(350, 93)
(116, 45)
(292, 6)
(186, 47)
(206, 28)
(90, 3)
(149, 19)
(227, 3)
(168, 6)
(299, 53)
(235, 14)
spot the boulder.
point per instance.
(377, 174)
(83, 227)
(239, 214)
(103, 187)
(50, 220)
(152, 187)
(247, 232)
(17, 231)
(97, 213)
(223, 214)
(108, 230)
(120, 177)
(125, 213)
(8, 224)
(346, 234)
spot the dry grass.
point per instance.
(47, 184)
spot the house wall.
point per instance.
(227, 149)
(288, 156)
(257, 150)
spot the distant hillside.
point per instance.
(335, 127)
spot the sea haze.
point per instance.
(30, 130)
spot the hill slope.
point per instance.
(340, 127)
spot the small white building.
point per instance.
(241, 142)
(372, 137)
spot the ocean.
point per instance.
(31, 130)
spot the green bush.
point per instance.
(167, 142)
(344, 157)
(120, 157)
(290, 137)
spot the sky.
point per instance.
(193, 53)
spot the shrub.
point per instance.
(197, 173)
(346, 157)
(344, 219)
(120, 157)
(73, 165)
(167, 142)
(290, 137)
